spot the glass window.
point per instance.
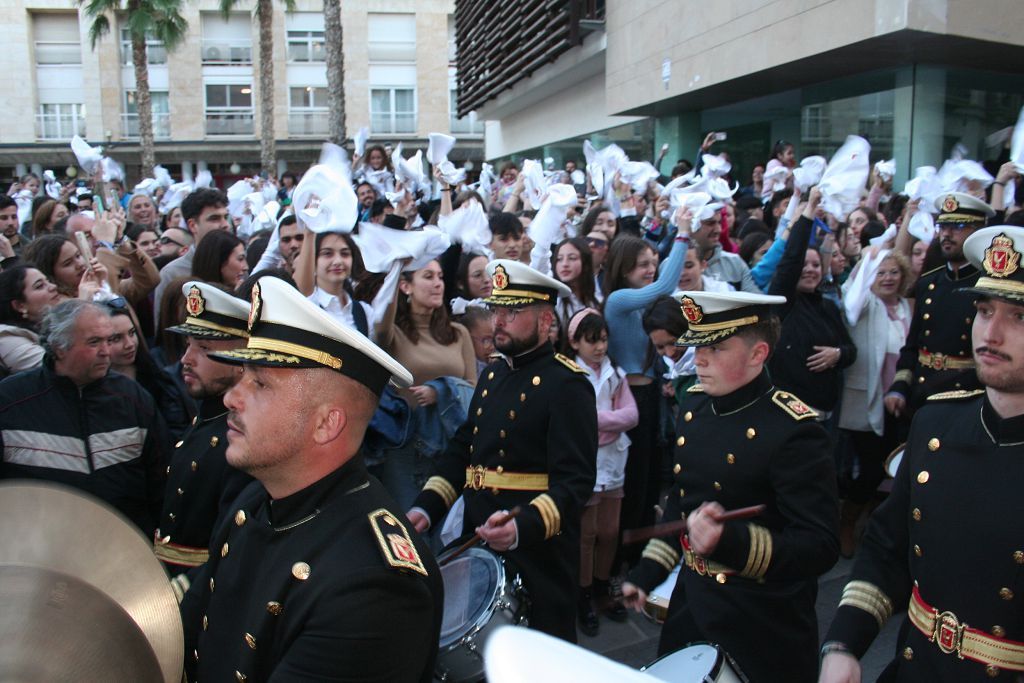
(216, 96)
(156, 53)
(391, 37)
(306, 46)
(393, 110)
(240, 95)
(57, 39)
(229, 109)
(60, 121)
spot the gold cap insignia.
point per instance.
(195, 304)
(950, 204)
(691, 310)
(500, 278)
(256, 307)
(1001, 260)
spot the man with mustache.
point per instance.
(937, 354)
(948, 540)
(200, 483)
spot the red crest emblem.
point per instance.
(255, 307)
(402, 548)
(691, 310)
(1001, 260)
(500, 278)
(950, 204)
(195, 304)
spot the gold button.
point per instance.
(241, 677)
(274, 608)
(922, 477)
(168, 469)
(1006, 594)
(522, 398)
(731, 459)
(211, 584)
(963, 337)
(180, 492)
(718, 487)
(206, 622)
(991, 670)
(677, 469)
(301, 571)
(916, 514)
(214, 440)
(171, 516)
(682, 493)
(483, 394)
(680, 441)
(917, 550)
(195, 466)
(927, 333)
(178, 445)
(479, 412)
(927, 316)
(688, 416)
(928, 301)
(720, 578)
(1018, 556)
(967, 321)
(195, 654)
(501, 452)
(240, 518)
(470, 448)
(908, 653)
(476, 430)
(250, 641)
(920, 380)
(511, 414)
(224, 550)
(499, 469)
(998, 631)
(195, 419)
(933, 444)
(931, 286)
(536, 380)
(490, 375)
(501, 433)
(751, 433)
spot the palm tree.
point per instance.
(265, 15)
(159, 19)
(335, 71)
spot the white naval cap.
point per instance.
(286, 330)
(996, 251)
(517, 284)
(212, 313)
(714, 316)
(959, 207)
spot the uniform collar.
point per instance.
(523, 359)
(210, 408)
(304, 505)
(962, 273)
(744, 396)
(1003, 431)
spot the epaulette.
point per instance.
(955, 395)
(696, 389)
(794, 407)
(395, 544)
(569, 363)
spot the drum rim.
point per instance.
(486, 614)
(719, 659)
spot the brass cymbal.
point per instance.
(83, 596)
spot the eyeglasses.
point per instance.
(958, 226)
(506, 313)
(486, 341)
(164, 239)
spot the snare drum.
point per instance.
(478, 598)
(656, 606)
(696, 663)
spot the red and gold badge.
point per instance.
(691, 310)
(195, 304)
(255, 307)
(950, 204)
(500, 278)
(1001, 260)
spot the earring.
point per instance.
(408, 299)
(24, 314)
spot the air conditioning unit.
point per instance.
(211, 54)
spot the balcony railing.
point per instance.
(312, 123)
(229, 123)
(59, 126)
(161, 126)
(227, 52)
(392, 123)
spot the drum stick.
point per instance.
(477, 537)
(631, 536)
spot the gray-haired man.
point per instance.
(73, 422)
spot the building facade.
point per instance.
(915, 77)
(399, 82)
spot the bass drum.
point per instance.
(479, 596)
(696, 663)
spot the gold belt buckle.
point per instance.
(476, 482)
(948, 633)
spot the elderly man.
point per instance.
(71, 422)
(315, 575)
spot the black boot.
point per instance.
(609, 594)
(586, 614)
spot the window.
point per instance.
(227, 42)
(392, 38)
(60, 121)
(467, 124)
(307, 110)
(306, 46)
(161, 106)
(392, 110)
(229, 109)
(57, 41)
(156, 53)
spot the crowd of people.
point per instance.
(600, 348)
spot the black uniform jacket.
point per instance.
(755, 594)
(954, 527)
(534, 414)
(328, 584)
(200, 489)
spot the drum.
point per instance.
(696, 663)
(656, 606)
(478, 598)
(892, 462)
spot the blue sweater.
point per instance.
(624, 309)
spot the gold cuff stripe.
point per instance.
(198, 322)
(180, 585)
(662, 553)
(1010, 286)
(441, 487)
(868, 597)
(872, 590)
(549, 513)
(715, 327)
(904, 376)
(279, 346)
(181, 554)
(760, 554)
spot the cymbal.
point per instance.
(83, 596)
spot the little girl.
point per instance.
(617, 413)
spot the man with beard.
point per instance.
(290, 235)
(530, 441)
(938, 349)
(200, 483)
(954, 510)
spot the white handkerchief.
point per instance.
(720, 190)
(162, 176)
(468, 226)
(173, 197)
(438, 148)
(809, 172)
(382, 181)
(1017, 144)
(845, 177)
(533, 181)
(487, 178)
(381, 246)
(677, 182)
(889, 234)
(453, 176)
(715, 166)
(546, 227)
(925, 186)
(111, 170)
(88, 157)
(236, 194)
(638, 174)
(204, 179)
(324, 200)
(359, 141)
(922, 226)
(459, 305)
(147, 187)
(409, 171)
(774, 179)
(578, 177)
(885, 169)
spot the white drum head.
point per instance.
(471, 584)
(692, 663)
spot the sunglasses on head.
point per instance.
(164, 239)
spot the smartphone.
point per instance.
(664, 148)
(721, 136)
(83, 246)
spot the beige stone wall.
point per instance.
(19, 108)
(185, 91)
